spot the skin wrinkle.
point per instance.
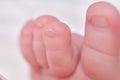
(106, 54)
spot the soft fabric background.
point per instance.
(14, 14)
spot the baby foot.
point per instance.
(55, 53)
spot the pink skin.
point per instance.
(55, 53)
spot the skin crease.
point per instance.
(55, 53)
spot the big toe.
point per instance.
(101, 45)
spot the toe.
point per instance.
(38, 44)
(59, 49)
(100, 50)
(26, 40)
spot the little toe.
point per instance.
(26, 41)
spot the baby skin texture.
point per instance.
(55, 53)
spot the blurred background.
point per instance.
(14, 14)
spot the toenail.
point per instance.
(27, 30)
(99, 22)
(39, 24)
(50, 33)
